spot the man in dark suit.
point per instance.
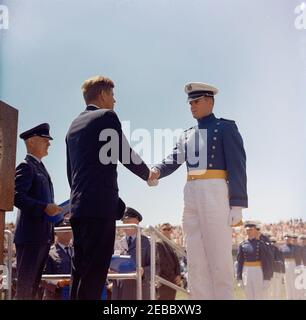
(126, 289)
(168, 264)
(34, 198)
(95, 143)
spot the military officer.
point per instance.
(303, 246)
(292, 259)
(214, 195)
(254, 270)
(299, 265)
(303, 253)
(35, 200)
(278, 270)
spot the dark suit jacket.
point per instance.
(33, 191)
(167, 261)
(94, 189)
(58, 262)
(126, 289)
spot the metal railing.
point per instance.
(9, 260)
(154, 234)
(113, 276)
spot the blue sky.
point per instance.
(250, 50)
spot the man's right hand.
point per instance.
(53, 209)
(153, 177)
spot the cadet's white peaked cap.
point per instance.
(197, 90)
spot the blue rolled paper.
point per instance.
(59, 217)
(122, 264)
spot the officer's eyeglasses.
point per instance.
(167, 229)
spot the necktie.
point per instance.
(129, 241)
(67, 249)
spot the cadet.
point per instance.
(278, 271)
(303, 246)
(35, 200)
(303, 251)
(214, 194)
(291, 257)
(265, 237)
(254, 270)
(299, 265)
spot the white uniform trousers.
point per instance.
(290, 279)
(252, 277)
(299, 286)
(276, 286)
(208, 239)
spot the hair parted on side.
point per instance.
(93, 86)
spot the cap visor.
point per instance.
(46, 136)
(194, 99)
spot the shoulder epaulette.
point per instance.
(228, 120)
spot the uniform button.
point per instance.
(210, 165)
(215, 138)
(218, 123)
(216, 130)
(214, 147)
(212, 156)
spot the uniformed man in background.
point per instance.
(265, 237)
(214, 195)
(34, 198)
(278, 271)
(303, 252)
(254, 271)
(292, 258)
(299, 265)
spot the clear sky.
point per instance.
(250, 50)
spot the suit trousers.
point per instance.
(31, 260)
(93, 241)
(208, 239)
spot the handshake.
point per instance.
(153, 177)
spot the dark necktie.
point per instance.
(67, 249)
(129, 241)
(44, 168)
